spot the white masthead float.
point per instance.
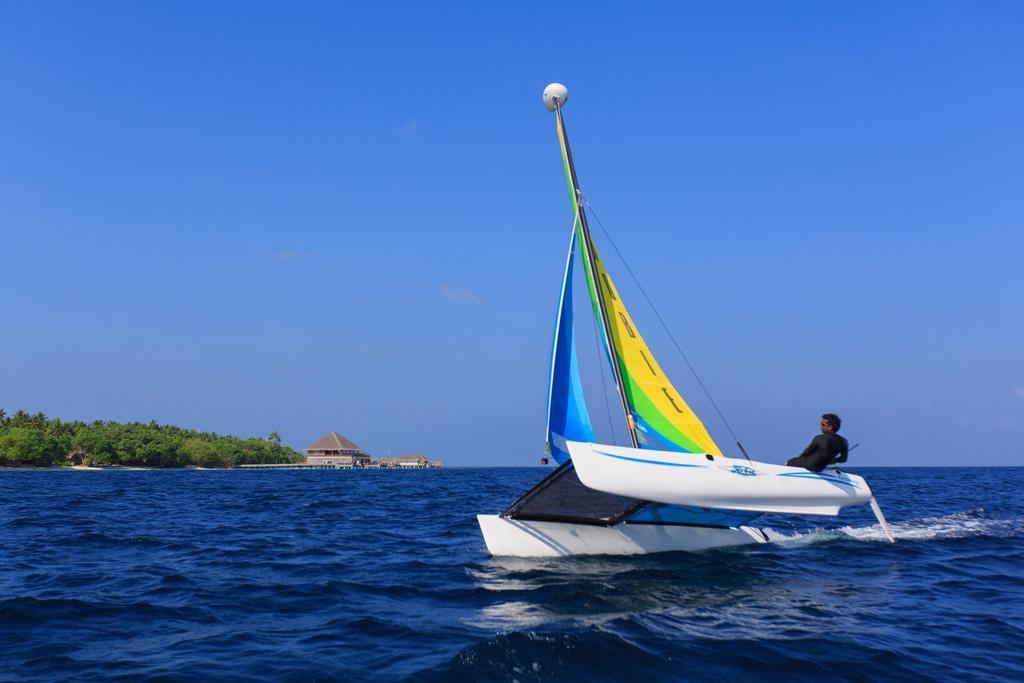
(671, 488)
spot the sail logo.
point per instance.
(744, 470)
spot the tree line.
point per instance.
(33, 439)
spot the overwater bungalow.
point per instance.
(409, 461)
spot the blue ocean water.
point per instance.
(383, 575)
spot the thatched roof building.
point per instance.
(333, 443)
(334, 449)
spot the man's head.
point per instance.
(830, 423)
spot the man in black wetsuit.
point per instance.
(825, 449)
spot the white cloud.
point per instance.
(458, 296)
(286, 256)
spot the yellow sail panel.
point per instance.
(663, 419)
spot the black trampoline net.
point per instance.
(562, 497)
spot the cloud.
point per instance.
(1019, 392)
(410, 127)
(286, 256)
(458, 296)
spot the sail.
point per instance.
(663, 419)
(567, 410)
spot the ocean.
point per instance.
(383, 576)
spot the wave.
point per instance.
(186, 576)
(966, 524)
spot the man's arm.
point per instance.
(844, 450)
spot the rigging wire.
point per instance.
(604, 387)
(679, 348)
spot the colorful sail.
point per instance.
(568, 418)
(661, 418)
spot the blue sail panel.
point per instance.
(568, 418)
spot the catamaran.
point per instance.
(671, 488)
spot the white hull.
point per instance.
(715, 482)
(516, 538)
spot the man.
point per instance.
(824, 448)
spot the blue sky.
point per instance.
(300, 217)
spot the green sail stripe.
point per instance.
(646, 409)
(591, 281)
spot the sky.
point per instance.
(249, 217)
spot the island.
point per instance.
(35, 440)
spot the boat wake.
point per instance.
(966, 524)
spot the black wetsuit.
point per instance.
(821, 453)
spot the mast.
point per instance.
(555, 96)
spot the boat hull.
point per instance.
(519, 538)
(701, 480)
